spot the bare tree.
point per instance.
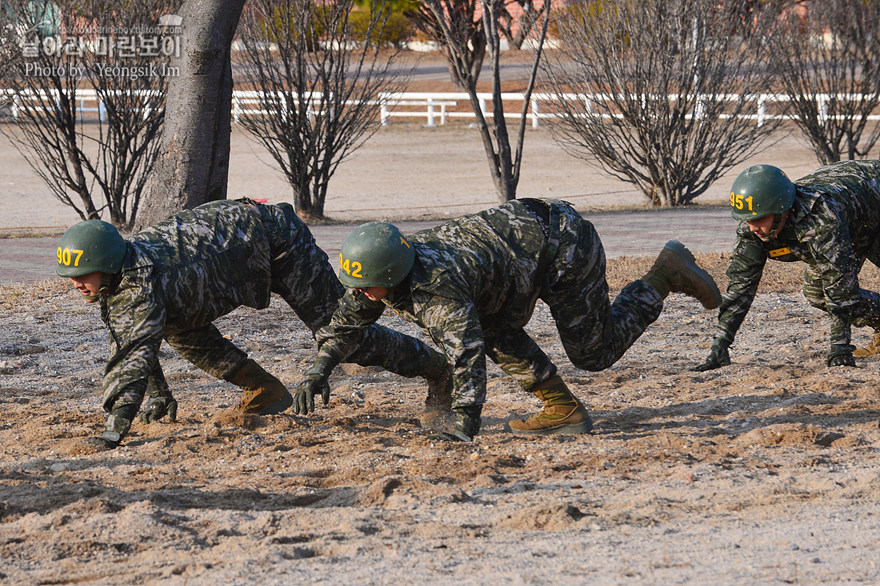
(518, 18)
(319, 90)
(828, 62)
(118, 56)
(659, 93)
(504, 162)
(193, 164)
(457, 27)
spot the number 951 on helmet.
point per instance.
(375, 254)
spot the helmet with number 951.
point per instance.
(88, 247)
(376, 254)
(759, 191)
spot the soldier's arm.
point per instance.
(136, 320)
(744, 272)
(354, 314)
(454, 325)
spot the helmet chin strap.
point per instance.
(106, 282)
(777, 219)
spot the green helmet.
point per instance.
(759, 191)
(376, 254)
(90, 246)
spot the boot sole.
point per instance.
(278, 406)
(690, 264)
(567, 429)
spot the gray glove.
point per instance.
(718, 356)
(841, 355)
(313, 384)
(158, 407)
(467, 425)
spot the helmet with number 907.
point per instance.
(376, 254)
(88, 247)
(759, 191)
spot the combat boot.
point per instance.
(676, 271)
(562, 414)
(263, 393)
(438, 403)
(116, 428)
(872, 349)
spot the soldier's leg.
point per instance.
(594, 331)
(520, 357)
(867, 314)
(209, 350)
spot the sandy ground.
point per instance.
(767, 471)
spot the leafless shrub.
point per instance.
(660, 93)
(319, 90)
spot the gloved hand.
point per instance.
(467, 424)
(158, 406)
(314, 383)
(841, 355)
(718, 356)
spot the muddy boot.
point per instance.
(872, 349)
(562, 412)
(676, 271)
(263, 393)
(116, 428)
(438, 403)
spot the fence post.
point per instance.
(536, 111)
(430, 123)
(762, 109)
(236, 108)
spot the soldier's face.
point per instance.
(88, 284)
(375, 293)
(761, 228)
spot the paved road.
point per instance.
(623, 234)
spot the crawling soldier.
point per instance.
(173, 279)
(472, 284)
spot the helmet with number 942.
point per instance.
(88, 247)
(376, 254)
(759, 191)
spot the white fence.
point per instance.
(435, 107)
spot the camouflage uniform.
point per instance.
(834, 225)
(181, 274)
(474, 286)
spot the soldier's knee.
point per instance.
(592, 363)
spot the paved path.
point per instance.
(623, 234)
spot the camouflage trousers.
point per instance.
(303, 277)
(595, 332)
(866, 312)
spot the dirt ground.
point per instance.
(767, 471)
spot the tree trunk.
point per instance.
(193, 163)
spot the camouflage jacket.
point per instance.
(179, 275)
(833, 226)
(472, 276)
